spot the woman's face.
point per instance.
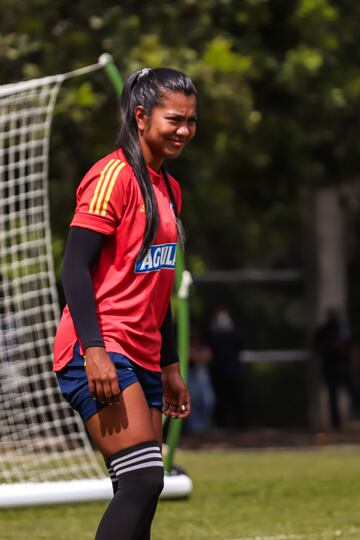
(167, 130)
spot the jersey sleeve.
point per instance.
(101, 197)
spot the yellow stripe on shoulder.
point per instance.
(105, 183)
(111, 187)
(99, 184)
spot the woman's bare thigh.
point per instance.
(156, 418)
(123, 424)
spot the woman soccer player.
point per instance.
(115, 353)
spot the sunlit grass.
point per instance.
(237, 494)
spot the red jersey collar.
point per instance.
(154, 176)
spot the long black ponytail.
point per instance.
(148, 87)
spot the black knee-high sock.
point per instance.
(141, 478)
(144, 531)
(114, 479)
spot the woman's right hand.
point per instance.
(102, 376)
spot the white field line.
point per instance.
(323, 535)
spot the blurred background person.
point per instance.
(227, 370)
(333, 347)
(200, 385)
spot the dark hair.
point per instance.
(148, 87)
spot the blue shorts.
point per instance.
(75, 389)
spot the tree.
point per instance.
(278, 106)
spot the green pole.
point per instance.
(112, 72)
(182, 284)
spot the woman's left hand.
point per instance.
(176, 394)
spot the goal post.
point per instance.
(45, 453)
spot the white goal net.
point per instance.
(41, 439)
(45, 454)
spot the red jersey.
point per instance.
(132, 297)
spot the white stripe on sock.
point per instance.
(152, 448)
(111, 471)
(136, 460)
(141, 466)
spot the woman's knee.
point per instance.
(142, 463)
(152, 481)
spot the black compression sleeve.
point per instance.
(168, 354)
(82, 250)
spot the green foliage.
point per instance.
(278, 85)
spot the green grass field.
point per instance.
(264, 494)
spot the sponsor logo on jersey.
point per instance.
(158, 257)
